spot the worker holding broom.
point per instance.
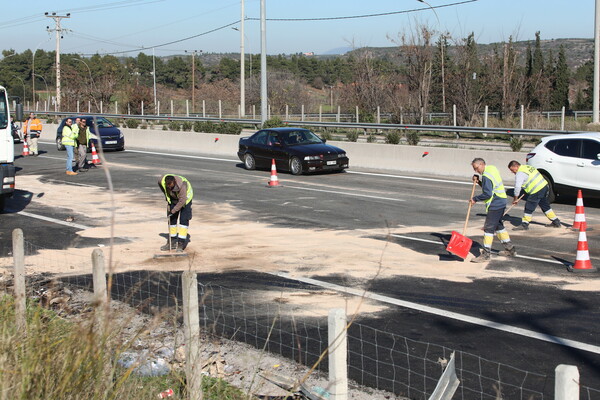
(179, 193)
(536, 189)
(494, 196)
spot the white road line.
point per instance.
(48, 219)
(446, 314)
(518, 255)
(182, 155)
(343, 193)
(416, 178)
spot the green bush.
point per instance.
(229, 128)
(143, 126)
(352, 136)
(274, 122)
(174, 125)
(372, 138)
(132, 123)
(164, 128)
(516, 144)
(326, 135)
(367, 117)
(412, 138)
(186, 126)
(392, 137)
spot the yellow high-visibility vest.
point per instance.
(493, 175)
(535, 182)
(189, 193)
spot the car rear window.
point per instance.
(564, 147)
(590, 149)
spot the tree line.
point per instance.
(427, 71)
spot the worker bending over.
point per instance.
(494, 196)
(536, 191)
(179, 193)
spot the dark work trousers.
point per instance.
(184, 215)
(493, 221)
(539, 198)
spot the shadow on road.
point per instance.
(19, 201)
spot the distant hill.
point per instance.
(577, 51)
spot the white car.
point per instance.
(569, 162)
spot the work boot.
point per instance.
(172, 247)
(180, 245)
(522, 227)
(509, 251)
(554, 224)
(484, 256)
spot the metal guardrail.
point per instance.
(344, 125)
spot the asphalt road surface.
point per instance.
(360, 200)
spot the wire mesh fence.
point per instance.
(261, 317)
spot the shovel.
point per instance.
(460, 245)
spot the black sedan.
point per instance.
(112, 137)
(294, 149)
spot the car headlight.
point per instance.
(308, 158)
(341, 155)
(121, 135)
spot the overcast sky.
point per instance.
(122, 27)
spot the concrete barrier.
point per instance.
(386, 157)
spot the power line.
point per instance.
(364, 15)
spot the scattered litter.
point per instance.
(165, 394)
(146, 366)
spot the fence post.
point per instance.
(203, 108)
(158, 107)
(454, 118)
(171, 108)
(337, 118)
(566, 383)
(302, 112)
(269, 112)
(320, 113)
(100, 291)
(522, 116)
(77, 106)
(89, 106)
(338, 354)
(101, 107)
(220, 110)
(378, 115)
(116, 107)
(562, 119)
(485, 117)
(19, 286)
(253, 111)
(401, 116)
(357, 121)
(287, 112)
(422, 119)
(191, 328)
(128, 109)
(142, 107)
(187, 108)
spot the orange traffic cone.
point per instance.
(95, 159)
(25, 148)
(579, 213)
(582, 261)
(274, 182)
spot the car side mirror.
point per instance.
(324, 140)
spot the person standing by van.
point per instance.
(32, 129)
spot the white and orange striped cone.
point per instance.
(95, 159)
(25, 148)
(274, 182)
(579, 213)
(582, 260)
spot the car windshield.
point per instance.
(300, 137)
(101, 122)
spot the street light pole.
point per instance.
(23, 82)
(263, 62)
(154, 75)
(58, 31)
(596, 94)
(242, 65)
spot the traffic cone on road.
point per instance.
(25, 148)
(579, 213)
(582, 260)
(95, 159)
(274, 182)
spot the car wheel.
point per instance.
(249, 161)
(295, 166)
(551, 192)
(59, 144)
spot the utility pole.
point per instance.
(263, 62)
(596, 94)
(154, 75)
(58, 31)
(242, 66)
(193, 78)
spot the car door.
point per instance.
(562, 162)
(260, 150)
(278, 150)
(588, 166)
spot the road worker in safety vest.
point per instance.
(536, 190)
(179, 193)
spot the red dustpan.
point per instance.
(460, 245)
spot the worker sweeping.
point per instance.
(494, 196)
(179, 193)
(536, 189)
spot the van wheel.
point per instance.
(59, 144)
